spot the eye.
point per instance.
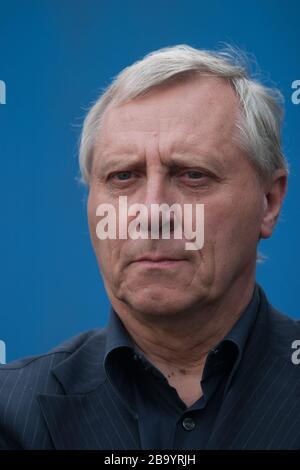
(194, 174)
(123, 175)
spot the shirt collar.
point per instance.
(233, 344)
(235, 340)
(239, 333)
(118, 337)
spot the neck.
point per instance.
(178, 346)
(168, 342)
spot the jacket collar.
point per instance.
(83, 370)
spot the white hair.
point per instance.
(262, 107)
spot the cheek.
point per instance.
(108, 254)
(233, 225)
(94, 201)
(108, 258)
(92, 218)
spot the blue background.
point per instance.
(56, 56)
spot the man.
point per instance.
(194, 356)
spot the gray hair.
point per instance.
(259, 124)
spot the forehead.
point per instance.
(200, 110)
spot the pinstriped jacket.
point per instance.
(64, 400)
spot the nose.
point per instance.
(158, 198)
(156, 189)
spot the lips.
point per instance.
(157, 262)
(158, 259)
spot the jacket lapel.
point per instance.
(91, 414)
(95, 420)
(262, 408)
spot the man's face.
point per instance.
(176, 145)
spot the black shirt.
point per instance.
(165, 422)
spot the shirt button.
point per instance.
(188, 424)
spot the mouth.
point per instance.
(158, 262)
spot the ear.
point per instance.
(273, 199)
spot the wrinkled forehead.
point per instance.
(202, 110)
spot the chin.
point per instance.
(157, 301)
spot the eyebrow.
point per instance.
(197, 159)
(113, 160)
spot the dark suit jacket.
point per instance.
(63, 399)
